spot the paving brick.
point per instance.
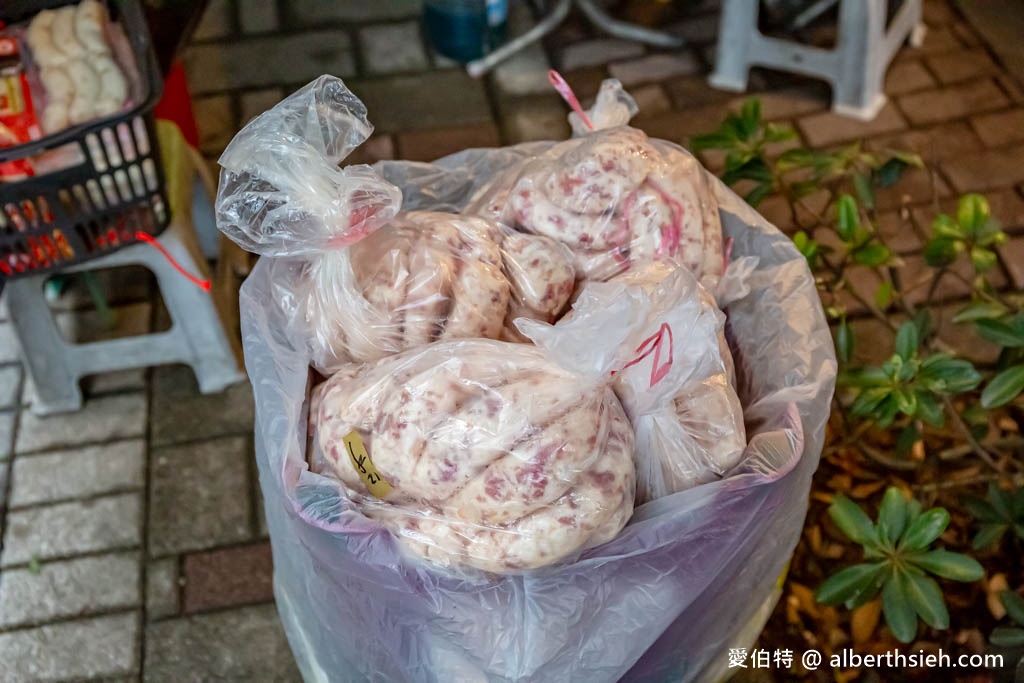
(936, 40)
(427, 145)
(1012, 254)
(316, 12)
(10, 384)
(69, 589)
(786, 104)
(257, 16)
(100, 419)
(679, 126)
(937, 13)
(162, 588)
(229, 577)
(537, 118)
(215, 117)
(917, 277)
(217, 21)
(948, 103)
(118, 381)
(199, 496)
(429, 100)
(863, 281)
(963, 337)
(584, 82)
(9, 351)
(961, 65)
(90, 648)
(1006, 206)
(904, 77)
(699, 29)
(6, 434)
(373, 150)
(524, 74)
(873, 341)
(78, 474)
(267, 61)
(261, 513)
(967, 35)
(934, 144)
(242, 644)
(981, 172)
(83, 327)
(916, 186)
(391, 48)
(687, 93)
(597, 51)
(651, 99)
(181, 413)
(828, 128)
(897, 233)
(1011, 86)
(1001, 128)
(656, 67)
(256, 102)
(73, 528)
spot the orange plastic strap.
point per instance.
(569, 96)
(149, 239)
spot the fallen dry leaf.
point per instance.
(864, 621)
(996, 584)
(861, 491)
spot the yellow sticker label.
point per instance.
(360, 460)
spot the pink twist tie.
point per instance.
(569, 96)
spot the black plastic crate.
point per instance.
(71, 215)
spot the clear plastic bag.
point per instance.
(678, 391)
(618, 199)
(691, 575)
(374, 281)
(481, 454)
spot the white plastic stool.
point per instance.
(856, 67)
(197, 336)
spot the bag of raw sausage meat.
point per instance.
(690, 575)
(373, 281)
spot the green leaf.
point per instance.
(981, 509)
(753, 169)
(949, 565)
(883, 295)
(1004, 387)
(1002, 501)
(926, 598)
(799, 157)
(890, 172)
(899, 613)
(923, 531)
(977, 310)
(892, 516)
(865, 193)
(982, 259)
(852, 521)
(750, 116)
(907, 340)
(972, 212)
(906, 400)
(944, 374)
(909, 435)
(774, 132)
(942, 251)
(873, 255)
(868, 400)
(930, 410)
(1014, 605)
(849, 221)
(844, 341)
(850, 584)
(999, 332)
(944, 226)
(988, 535)
(1007, 636)
(716, 140)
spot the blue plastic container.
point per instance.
(465, 30)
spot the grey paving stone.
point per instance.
(10, 378)
(69, 589)
(257, 16)
(217, 21)
(9, 350)
(524, 74)
(390, 48)
(430, 100)
(100, 419)
(133, 379)
(181, 413)
(89, 648)
(3, 308)
(242, 644)
(267, 61)
(540, 118)
(314, 12)
(199, 496)
(73, 528)
(258, 101)
(162, 589)
(598, 51)
(6, 433)
(78, 473)
(655, 67)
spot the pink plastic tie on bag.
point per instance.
(149, 239)
(653, 344)
(569, 96)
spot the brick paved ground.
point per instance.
(133, 542)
